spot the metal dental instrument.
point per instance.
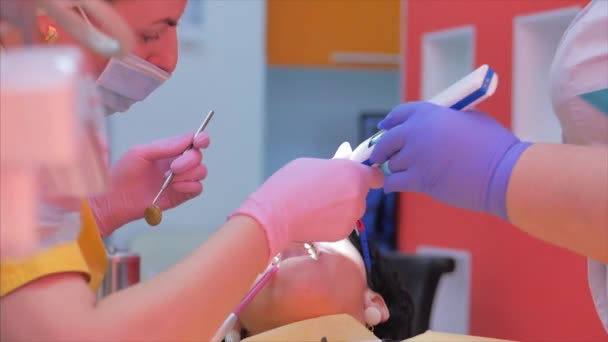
(153, 213)
(171, 175)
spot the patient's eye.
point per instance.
(146, 38)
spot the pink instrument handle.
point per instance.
(256, 289)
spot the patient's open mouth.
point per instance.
(312, 251)
(299, 250)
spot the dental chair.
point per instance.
(421, 275)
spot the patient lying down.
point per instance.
(335, 283)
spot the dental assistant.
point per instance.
(555, 192)
(51, 295)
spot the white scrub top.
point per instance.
(579, 93)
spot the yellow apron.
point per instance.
(86, 255)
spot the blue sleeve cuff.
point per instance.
(496, 201)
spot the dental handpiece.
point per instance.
(462, 95)
(153, 213)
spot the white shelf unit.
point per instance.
(447, 56)
(535, 40)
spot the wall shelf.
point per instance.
(535, 40)
(447, 56)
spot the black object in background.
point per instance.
(421, 275)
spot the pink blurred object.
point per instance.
(37, 106)
(49, 146)
(18, 203)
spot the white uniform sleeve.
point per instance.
(579, 64)
(598, 283)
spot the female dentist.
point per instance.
(140, 172)
(555, 192)
(51, 295)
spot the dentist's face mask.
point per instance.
(126, 80)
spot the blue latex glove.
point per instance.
(463, 159)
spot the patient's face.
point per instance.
(306, 288)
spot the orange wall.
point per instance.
(307, 32)
(522, 289)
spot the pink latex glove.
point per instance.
(138, 175)
(311, 200)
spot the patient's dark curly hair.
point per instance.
(384, 280)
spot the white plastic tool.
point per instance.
(462, 95)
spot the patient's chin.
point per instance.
(285, 303)
(305, 288)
